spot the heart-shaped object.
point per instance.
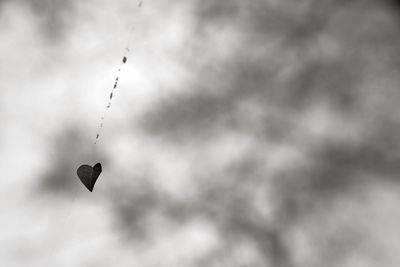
(88, 175)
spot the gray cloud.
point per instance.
(70, 151)
(318, 78)
(287, 62)
(54, 18)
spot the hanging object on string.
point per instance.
(88, 175)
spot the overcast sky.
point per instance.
(241, 133)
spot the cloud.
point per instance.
(277, 127)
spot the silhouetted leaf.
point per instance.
(89, 175)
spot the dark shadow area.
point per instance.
(54, 17)
(72, 148)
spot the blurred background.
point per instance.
(242, 133)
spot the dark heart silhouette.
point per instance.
(88, 175)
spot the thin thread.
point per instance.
(123, 61)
